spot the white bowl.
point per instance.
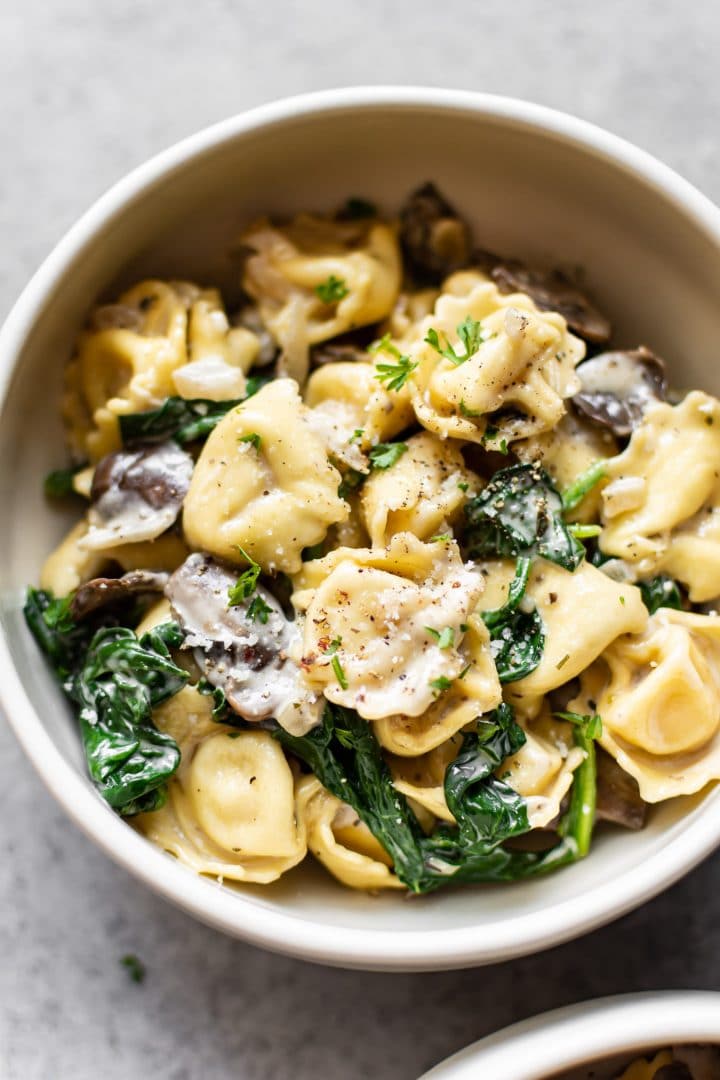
(609, 1031)
(535, 183)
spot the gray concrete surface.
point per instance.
(88, 90)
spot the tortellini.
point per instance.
(71, 563)
(422, 493)
(658, 694)
(542, 770)
(367, 613)
(288, 267)
(263, 483)
(341, 842)
(523, 361)
(159, 339)
(231, 811)
(663, 480)
(582, 613)
(350, 394)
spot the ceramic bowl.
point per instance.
(594, 1038)
(534, 183)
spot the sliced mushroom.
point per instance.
(551, 290)
(328, 353)
(618, 795)
(435, 241)
(701, 1062)
(137, 493)
(104, 592)
(617, 387)
(678, 1071)
(248, 659)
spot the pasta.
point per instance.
(379, 565)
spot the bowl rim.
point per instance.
(244, 916)
(587, 1032)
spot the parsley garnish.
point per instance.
(339, 673)
(258, 609)
(469, 331)
(384, 455)
(253, 438)
(135, 968)
(441, 538)
(441, 683)
(584, 532)
(464, 411)
(357, 435)
(351, 481)
(444, 638)
(331, 290)
(591, 723)
(246, 583)
(463, 485)
(394, 376)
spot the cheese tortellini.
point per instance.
(263, 484)
(373, 565)
(160, 339)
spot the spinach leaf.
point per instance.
(58, 484)
(185, 420)
(62, 640)
(115, 680)
(520, 513)
(346, 757)
(517, 638)
(660, 591)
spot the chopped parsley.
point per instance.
(258, 609)
(351, 481)
(441, 538)
(332, 290)
(384, 455)
(463, 485)
(357, 435)
(135, 968)
(252, 438)
(394, 376)
(584, 532)
(247, 582)
(441, 684)
(591, 723)
(469, 331)
(445, 638)
(465, 411)
(339, 673)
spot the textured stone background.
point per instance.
(87, 90)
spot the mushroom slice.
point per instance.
(550, 290)
(137, 493)
(103, 592)
(701, 1062)
(618, 795)
(617, 387)
(329, 353)
(435, 241)
(247, 658)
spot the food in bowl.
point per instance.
(676, 1063)
(401, 563)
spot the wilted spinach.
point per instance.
(517, 638)
(520, 513)
(115, 680)
(184, 420)
(660, 591)
(346, 757)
